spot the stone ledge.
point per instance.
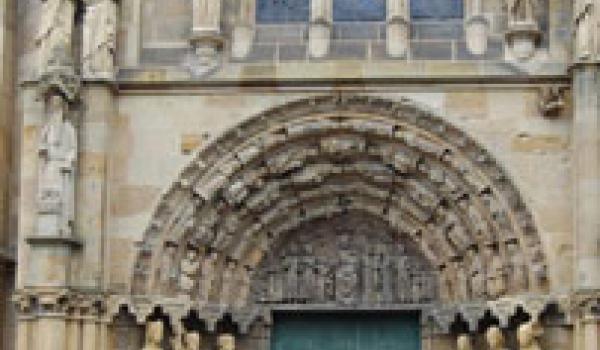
(54, 241)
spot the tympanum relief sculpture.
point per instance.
(338, 262)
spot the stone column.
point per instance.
(398, 27)
(586, 167)
(319, 36)
(243, 30)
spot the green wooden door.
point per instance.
(348, 331)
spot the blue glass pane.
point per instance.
(436, 8)
(282, 11)
(359, 10)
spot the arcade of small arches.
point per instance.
(341, 202)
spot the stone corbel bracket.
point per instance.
(62, 81)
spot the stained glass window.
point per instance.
(282, 11)
(436, 9)
(359, 10)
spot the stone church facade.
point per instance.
(210, 174)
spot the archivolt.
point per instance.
(320, 156)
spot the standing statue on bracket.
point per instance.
(57, 163)
(99, 40)
(54, 38)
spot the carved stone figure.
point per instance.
(463, 342)
(527, 336)
(99, 39)
(585, 28)
(477, 273)
(168, 266)
(58, 154)
(227, 283)
(346, 279)
(402, 279)
(495, 338)
(207, 16)
(154, 336)
(447, 292)
(496, 274)
(189, 269)
(539, 270)
(518, 268)
(191, 341)
(207, 276)
(242, 285)
(226, 342)
(462, 282)
(54, 38)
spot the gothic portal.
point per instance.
(299, 174)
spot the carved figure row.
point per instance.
(528, 335)
(155, 339)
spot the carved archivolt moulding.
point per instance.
(224, 222)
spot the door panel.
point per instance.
(349, 331)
